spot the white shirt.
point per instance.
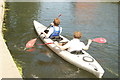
(74, 45)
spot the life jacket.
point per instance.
(55, 32)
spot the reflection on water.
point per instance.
(92, 19)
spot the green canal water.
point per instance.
(92, 19)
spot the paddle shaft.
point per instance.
(33, 41)
(98, 40)
(46, 28)
(45, 43)
(51, 43)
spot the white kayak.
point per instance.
(84, 61)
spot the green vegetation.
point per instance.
(4, 22)
(19, 66)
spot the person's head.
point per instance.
(56, 21)
(77, 35)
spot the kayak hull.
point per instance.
(84, 61)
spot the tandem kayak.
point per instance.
(84, 61)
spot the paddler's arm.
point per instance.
(45, 34)
(66, 46)
(49, 33)
(88, 45)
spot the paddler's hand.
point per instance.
(56, 43)
(89, 41)
(52, 23)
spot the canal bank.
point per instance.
(8, 68)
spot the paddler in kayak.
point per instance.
(75, 45)
(54, 31)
